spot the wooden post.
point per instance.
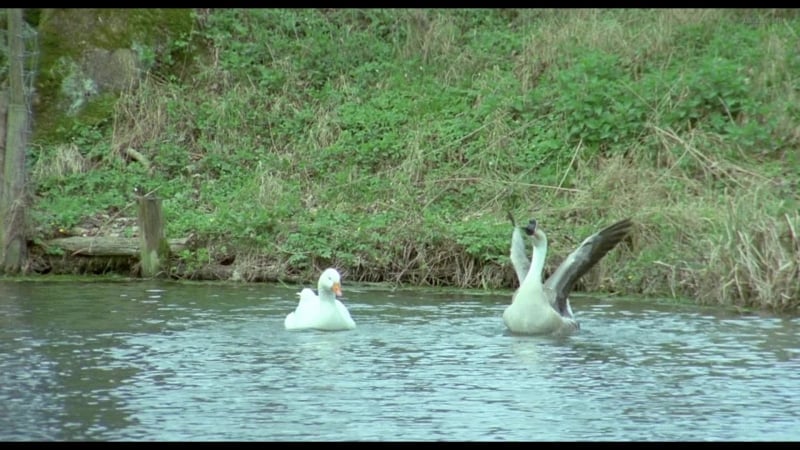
(14, 249)
(154, 245)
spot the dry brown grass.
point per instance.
(430, 35)
(754, 259)
(66, 160)
(140, 118)
(735, 245)
(619, 33)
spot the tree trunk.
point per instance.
(12, 209)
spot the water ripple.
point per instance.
(167, 361)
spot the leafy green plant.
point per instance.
(391, 142)
(594, 96)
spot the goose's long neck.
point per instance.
(325, 295)
(537, 260)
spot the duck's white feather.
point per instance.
(323, 311)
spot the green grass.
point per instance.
(390, 143)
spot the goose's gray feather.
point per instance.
(591, 250)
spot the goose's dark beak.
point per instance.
(531, 228)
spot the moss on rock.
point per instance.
(88, 54)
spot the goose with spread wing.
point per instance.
(543, 307)
(323, 311)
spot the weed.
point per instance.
(391, 142)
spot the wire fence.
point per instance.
(30, 39)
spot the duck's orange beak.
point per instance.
(337, 289)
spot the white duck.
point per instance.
(538, 308)
(323, 312)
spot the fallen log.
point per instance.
(107, 246)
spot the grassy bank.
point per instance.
(390, 143)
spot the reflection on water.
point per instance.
(168, 361)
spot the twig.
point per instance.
(574, 155)
(792, 232)
(137, 156)
(704, 159)
(445, 180)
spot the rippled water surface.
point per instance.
(168, 361)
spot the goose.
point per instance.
(543, 308)
(323, 311)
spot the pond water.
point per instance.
(152, 360)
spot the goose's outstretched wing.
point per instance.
(591, 250)
(519, 257)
